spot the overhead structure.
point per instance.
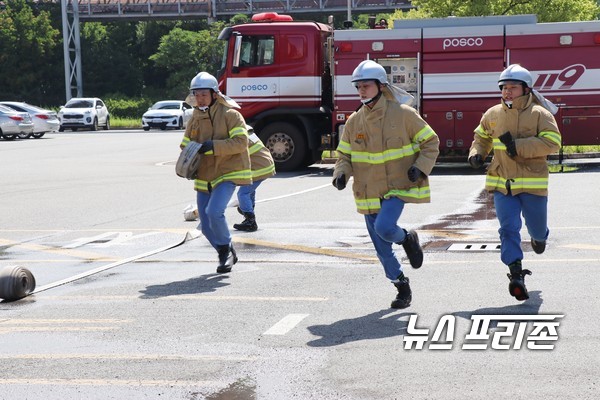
(98, 10)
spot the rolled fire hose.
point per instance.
(16, 282)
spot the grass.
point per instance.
(117, 122)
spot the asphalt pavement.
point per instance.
(128, 304)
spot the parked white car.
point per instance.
(84, 112)
(43, 120)
(167, 114)
(14, 124)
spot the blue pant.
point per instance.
(508, 211)
(211, 209)
(247, 196)
(384, 231)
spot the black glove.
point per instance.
(339, 182)
(476, 161)
(206, 147)
(414, 173)
(509, 142)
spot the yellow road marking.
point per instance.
(13, 329)
(189, 297)
(54, 250)
(104, 382)
(155, 357)
(303, 249)
(24, 321)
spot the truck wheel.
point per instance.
(286, 144)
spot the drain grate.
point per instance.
(474, 247)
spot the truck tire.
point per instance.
(286, 144)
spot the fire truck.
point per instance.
(293, 78)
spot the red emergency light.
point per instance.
(271, 17)
(346, 47)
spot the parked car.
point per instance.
(167, 114)
(43, 120)
(84, 112)
(14, 124)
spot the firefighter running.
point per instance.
(263, 167)
(224, 164)
(522, 132)
(390, 150)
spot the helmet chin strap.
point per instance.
(205, 108)
(366, 102)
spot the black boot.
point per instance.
(404, 296)
(227, 258)
(248, 224)
(538, 247)
(413, 248)
(516, 287)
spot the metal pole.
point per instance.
(71, 50)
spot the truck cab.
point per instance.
(275, 72)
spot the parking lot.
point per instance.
(128, 304)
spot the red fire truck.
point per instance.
(293, 78)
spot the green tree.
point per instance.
(183, 53)
(27, 45)
(546, 10)
(110, 62)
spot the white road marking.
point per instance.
(286, 324)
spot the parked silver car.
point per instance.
(43, 120)
(14, 123)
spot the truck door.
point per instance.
(254, 80)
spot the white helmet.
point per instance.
(204, 80)
(516, 73)
(369, 70)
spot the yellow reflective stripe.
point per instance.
(254, 148)
(200, 185)
(263, 171)
(498, 145)
(388, 155)
(516, 183)
(238, 131)
(368, 204)
(481, 132)
(424, 134)
(185, 141)
(244, 174)
(344, 147)
(415, 193)
(552, 136)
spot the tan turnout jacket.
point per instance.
(378, 147)
(229, 160)
(536, 136)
